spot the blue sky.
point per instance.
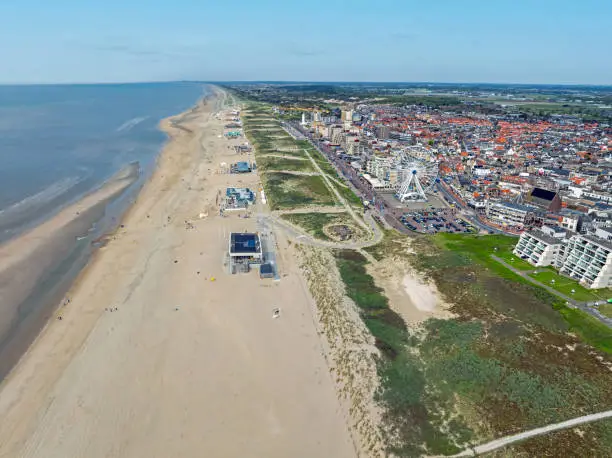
(535, 41)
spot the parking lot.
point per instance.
(432, 221)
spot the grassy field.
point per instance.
(565, 285)
(314, 223)
(513, 260)
(506, 361)
(285, 191)
(606, 309)
(268, 163)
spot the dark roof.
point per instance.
(562, 172)
(266, 269)
(244, 243)
(543, 194)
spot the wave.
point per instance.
(40, 198)
(129, 125)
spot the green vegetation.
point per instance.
(512, 259)
(564, 285)
(315, 223)
(467, 249)
(606, 310)
(435, 101)
(505, 362)
(416, 429)
(286, 191)
(348, 194)
(580, 110)
(278, 163)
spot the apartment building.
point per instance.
(588, 260)
(584, 258)
(539, 248)
(509, 213)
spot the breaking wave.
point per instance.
(129, 125)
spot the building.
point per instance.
(508, 213)
(244, 250)
(238, 198)
(382, 132)
(588, 260)
(543, 198)
(241, 167)
(584, 258)
(539, 248)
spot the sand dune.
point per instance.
(186, 366)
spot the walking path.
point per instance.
(341, 199)
(284, 156)
(505, 441)
(584, 306)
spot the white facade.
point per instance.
(506, 213)
(589, 261)
(570, 222)
(584, 258)
(538, 249)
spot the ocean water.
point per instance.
(59, 142)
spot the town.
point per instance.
(437, 165)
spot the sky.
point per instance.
(518, 41)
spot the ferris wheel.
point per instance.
(417, 177)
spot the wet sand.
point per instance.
(33, 265)
(190, 361)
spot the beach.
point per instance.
(160, 352)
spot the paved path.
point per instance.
(584, 306)
(311, 209)
(299, 236)
(505, 441)
(284, 156)
(341, 199)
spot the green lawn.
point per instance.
(513, 260)
(606, 309)
(565, 285)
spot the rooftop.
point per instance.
(539, 235)
(244, 243)
(543, 194)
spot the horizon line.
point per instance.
(441, 83)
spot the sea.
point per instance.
(58, 143)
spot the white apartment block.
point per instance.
(539, 249)
(588, 260)
(584, 258)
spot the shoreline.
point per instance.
(161, 352)
(69, 264)
(37, 266)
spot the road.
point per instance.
(360, 188)
(584, 306)
(505, 441)
(472, 219)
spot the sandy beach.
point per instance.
(160, 352)
(31, 266)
